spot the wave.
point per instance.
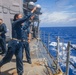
(73, 59)
(64, 45)
(55, 44)
(63, 54)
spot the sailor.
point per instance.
(15, 45)
(3, 30)
(26, 41)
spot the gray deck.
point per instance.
(36, 68)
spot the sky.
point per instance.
(57, 13)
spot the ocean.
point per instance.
(65, 34)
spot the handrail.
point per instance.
(68, 48)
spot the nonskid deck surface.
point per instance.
(36, 68)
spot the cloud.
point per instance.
(70, 6)
(58, 17)
(65, 5)
(72, 19)
(58, 12)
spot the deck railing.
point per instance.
(45, 38)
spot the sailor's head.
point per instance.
(17, 16)
(1, 21)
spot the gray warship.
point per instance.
(43, 63)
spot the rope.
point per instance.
(72, 64)
(73, 47)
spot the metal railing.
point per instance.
(45, 36)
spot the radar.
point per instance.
(38, 8)
(31, 5)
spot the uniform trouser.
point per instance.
(3, 45)
(14, 47)
(27, 50)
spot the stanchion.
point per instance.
(68, 58)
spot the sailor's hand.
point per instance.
(29, 40)
(32, 17)
(34, 9)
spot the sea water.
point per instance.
(65, 34)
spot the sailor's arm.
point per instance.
(28, 24)
(29, 35)
(4, 29)
(26, 17)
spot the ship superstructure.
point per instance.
(7, 10)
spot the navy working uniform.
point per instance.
(15, 45)
(25, 43)
(3, 30)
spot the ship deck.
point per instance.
(39, 64)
